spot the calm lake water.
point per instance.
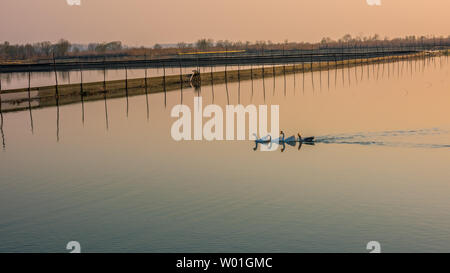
(119, 183)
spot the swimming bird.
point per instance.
(290, 140)
(305, 140)
(281, 138)
(266, 139)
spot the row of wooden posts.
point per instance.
(146, 91)
(82, 93)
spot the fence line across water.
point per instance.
(375, 67)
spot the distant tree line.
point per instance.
(64, 48)
(59, 49)
(29, 51)
(346, 40)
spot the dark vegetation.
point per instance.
(64, 49)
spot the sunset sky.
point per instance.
(146, 22)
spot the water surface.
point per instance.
(117, 182)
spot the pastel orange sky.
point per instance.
(146, 22)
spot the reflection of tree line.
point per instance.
(377, 68)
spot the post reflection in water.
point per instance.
(320, 77)
(212, 81)
(1, 115)
(264, 83)
(328, 70)
(1, 131)
(251, 77)
(239, 84)
(82, 96)
(164, 85)
(303, 75)
(146, 90)
(348, 70)
(126, 87)
(312, 73)
(57, 119)
(294, 67)
(284, 75)
(106, 112)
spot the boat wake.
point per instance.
(399, 138)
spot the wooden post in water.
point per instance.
(264, 81)
(104, 75)
(146, 88)
(81, 80)
(284, 75)
(226, 64)
(212, 79)
(239, 83)
(56, 75)
(164, 84)
(320, 72)
(29, 101)
(328, 67)
(312, 74)
(303, 73)
(126, 87)
(106, 112)
(343, 65)
(57, 119)
(226, 76)
(212, 73)
(126, 80)
(348, 64)
(1, 115)
(294, 68)
(251, 76)
(273, 73)
(263, 72)
(273, 66)
(82, 95)
(181, 79)
(335, 70)
(145, 74)
(1, 93)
